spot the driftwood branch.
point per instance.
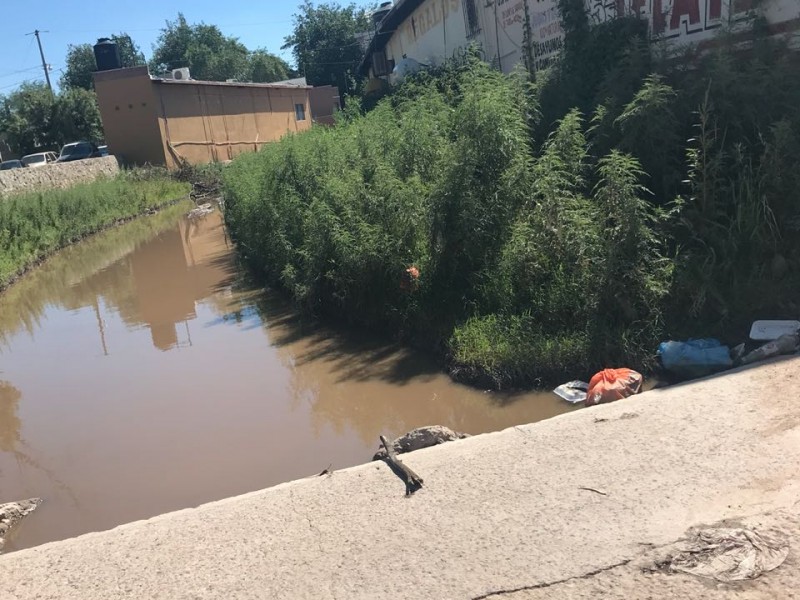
(412, 480)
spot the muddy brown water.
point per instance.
(140, 374)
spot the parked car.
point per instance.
(39, 159)
(78, 151)
(11, 164)
(103, 150)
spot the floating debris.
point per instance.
(201, 210)
(12, 513)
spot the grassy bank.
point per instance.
(34, 225)
(559, 224)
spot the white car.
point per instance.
(39, 159)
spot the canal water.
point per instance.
(140, 374)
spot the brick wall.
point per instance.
(56, 175)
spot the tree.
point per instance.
(26, 117)
(325, 43)
(33, 119)
(212, 56)
(81, 63)
(76, 116)
(265, 67)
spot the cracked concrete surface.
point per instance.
(638, 579)
(501, 516)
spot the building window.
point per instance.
(471, 18)
(380, 67)
(300, 112)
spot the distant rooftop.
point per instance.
(144, 72)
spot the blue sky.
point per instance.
(257, 24)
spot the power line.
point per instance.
(36, 32)
(219, 26)
(16, 84)
(34, 79)
(20, 71)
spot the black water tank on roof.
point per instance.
(106, 54)
(380, 13)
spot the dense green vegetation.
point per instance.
(561, 223)
(33, 225)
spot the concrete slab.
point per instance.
(501, 515)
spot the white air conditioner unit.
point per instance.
(181, 74)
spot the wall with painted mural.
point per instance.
(691, 21)
(547, 35)
(434, 32)
(438, 29)
(505, 36)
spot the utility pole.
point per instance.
(36, 32)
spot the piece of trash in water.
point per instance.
(728, 554)
(11, 513)
(766, 331)
(201, 210)
(573, 392)
(613, 384)
(694, 358)
(786, 344)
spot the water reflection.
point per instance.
(9, 421)
(154, 284)
(149, 376)
(178, 268)
(84, 275)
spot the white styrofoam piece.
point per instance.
(765, 331)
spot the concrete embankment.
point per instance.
(580, 506)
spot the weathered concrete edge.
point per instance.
(619, 406)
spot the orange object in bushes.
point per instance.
(613, 384)
(410, 279)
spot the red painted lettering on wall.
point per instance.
(681, 8)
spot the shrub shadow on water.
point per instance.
(355, 355)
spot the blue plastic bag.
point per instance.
(694, 358)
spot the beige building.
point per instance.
(165, 121)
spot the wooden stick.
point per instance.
(413, 481)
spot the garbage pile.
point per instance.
(698, 358)
(688, 359)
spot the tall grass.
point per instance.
(559, 225)
(33, 225)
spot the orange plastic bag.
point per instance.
(613, 384)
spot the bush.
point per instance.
(559, 225)
(33, 225)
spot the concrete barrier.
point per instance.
(56, 175)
